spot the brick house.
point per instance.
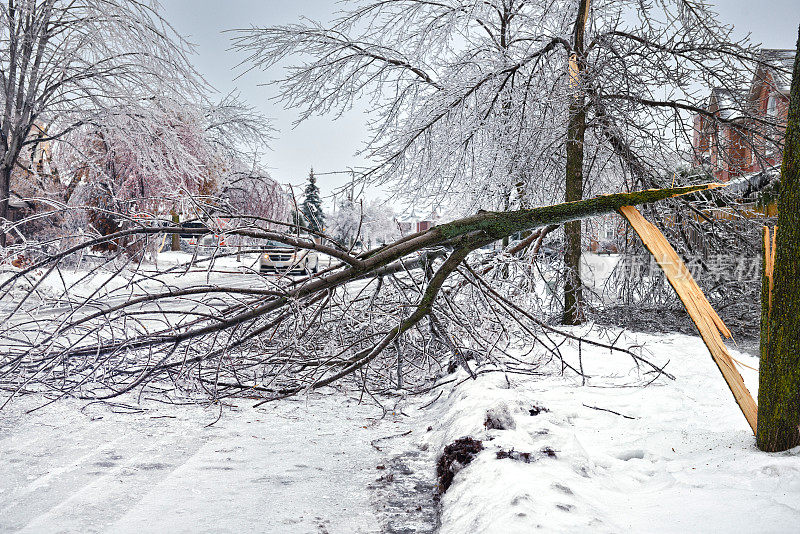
(413, 223)
(32, 176)
(736, 147)
(733, 148)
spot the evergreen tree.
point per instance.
(298, 219)
(312, 205)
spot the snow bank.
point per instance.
(677, 456)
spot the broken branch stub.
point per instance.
(702, 314)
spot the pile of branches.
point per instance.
(389, 318)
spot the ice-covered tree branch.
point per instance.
(134, 327)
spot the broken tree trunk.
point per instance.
(779, 371)
(705, 318)
(767, 270)
(461, 236)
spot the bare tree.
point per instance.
(494, 102)
(65, 62)
(573, 182)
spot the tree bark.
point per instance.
(176, 238)
(573, 285)
(5, 196)
(576, 131)
(779, 375)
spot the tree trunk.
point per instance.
(573, 285)
(576, 130)
(5, 194)
(779, 375)
(176, 238)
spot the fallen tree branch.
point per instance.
(251, 335)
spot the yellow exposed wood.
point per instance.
(705, 318)
(769, 259)
(574, 74)
(769, 268)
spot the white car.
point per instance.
(210, 244)
(282, 258)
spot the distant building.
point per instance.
(606, 233)
(32, 175)
(18, 208)
(735, 146)
(413, 223)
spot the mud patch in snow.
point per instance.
(456, 457)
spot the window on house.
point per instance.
(772, 106)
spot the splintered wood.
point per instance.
(705, 318)
(769, 261)
(767, 283)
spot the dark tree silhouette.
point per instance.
(312, 205)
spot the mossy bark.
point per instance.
(779, 376)
(496, 225)
(576, 132)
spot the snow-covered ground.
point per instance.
(678, 458)
(298, 466)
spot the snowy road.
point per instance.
(99, 293)
(299, 466)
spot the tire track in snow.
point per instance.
(301, 465)
(83, 494)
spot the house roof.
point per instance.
(774, 67)
(780, 64)
(726, 102)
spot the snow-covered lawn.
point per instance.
(679, 458)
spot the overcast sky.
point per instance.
(329, 145)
